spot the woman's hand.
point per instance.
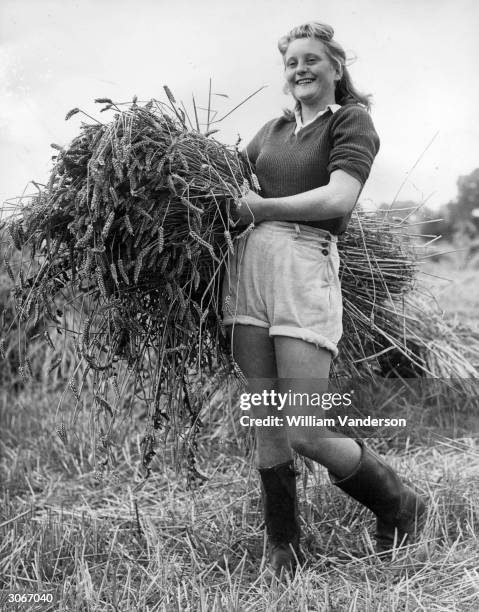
(249, 208)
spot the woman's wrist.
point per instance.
(264, 211)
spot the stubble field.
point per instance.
(103, 546)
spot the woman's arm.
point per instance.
(335, 199)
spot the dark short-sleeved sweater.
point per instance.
(287, 164)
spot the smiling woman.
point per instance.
(282, 295)
(325, 54)
(310, 75)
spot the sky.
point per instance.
(417, 57)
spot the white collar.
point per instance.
(299, 122)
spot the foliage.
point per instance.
(459, 218)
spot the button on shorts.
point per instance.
(285, 277)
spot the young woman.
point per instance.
(282, 296)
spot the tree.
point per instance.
(464, 211)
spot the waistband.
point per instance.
(296, 229)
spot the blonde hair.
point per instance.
(345, 90)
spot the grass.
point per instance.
(453, 283)
(108, 546)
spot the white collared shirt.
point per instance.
(299, 122)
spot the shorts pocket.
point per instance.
(318, 259)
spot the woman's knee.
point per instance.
(272, 446)
(300, 444)
(272, 436)
(307, 441)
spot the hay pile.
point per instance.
(132, 233)
(392, 325)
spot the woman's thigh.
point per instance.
(303, 374)
(300, 360)
(254, 351)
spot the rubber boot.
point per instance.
(400, 512)
(281, 516)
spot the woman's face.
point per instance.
(309, 73)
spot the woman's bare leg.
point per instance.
(254, 352)
(304, 368)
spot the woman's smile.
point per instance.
(304, 83)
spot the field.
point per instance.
(104, 546)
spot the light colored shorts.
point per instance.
(284, 277)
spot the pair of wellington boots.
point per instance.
(400, 512)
